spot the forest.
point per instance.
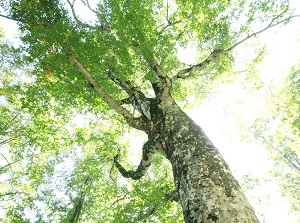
(149, 111)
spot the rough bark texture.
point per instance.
(207, 190)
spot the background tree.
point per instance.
(131, 44)
(278, 130)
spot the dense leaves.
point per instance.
(58, 137)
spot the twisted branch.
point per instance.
(145, 163)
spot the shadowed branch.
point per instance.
(79, 204)
(147, 158)
(171, 196)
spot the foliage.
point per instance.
(279, 131)
(56, 132)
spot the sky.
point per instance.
(218, 118)
(219, 121)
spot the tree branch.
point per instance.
(270, 25)
(147, 158)
(79, 204)
(119, 199)
(172, 196)
(10, 18)
(169, 21)
(28, 23)
(137, 98)
(124, 85)
(135, 123)
(9, 164)
(166, 81)
(215, 55)
(189, 72)
(101, 27)
(11, 193)
(148, 214)
(89, 6)
(10, 123)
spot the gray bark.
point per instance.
(207, 190)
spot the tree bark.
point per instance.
(207, 190)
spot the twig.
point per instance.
(119, 199)
(101, 27)
(89, 6)
(270, 25)
(149, 213)
(188, 72)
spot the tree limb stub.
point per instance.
(135, 123)
(148, 156)
(137, 98)
(124, 85)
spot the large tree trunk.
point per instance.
(207, 190)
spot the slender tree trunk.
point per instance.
(207, 190)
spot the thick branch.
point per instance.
(124, 85)
(135, 123)
(215, 55)
(148, 156)
(166, 81)
(137, 98)
(189, 72)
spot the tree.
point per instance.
(78, 65)
(278, 129)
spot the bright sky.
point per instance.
(219, 122)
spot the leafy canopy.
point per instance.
(60, 137)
